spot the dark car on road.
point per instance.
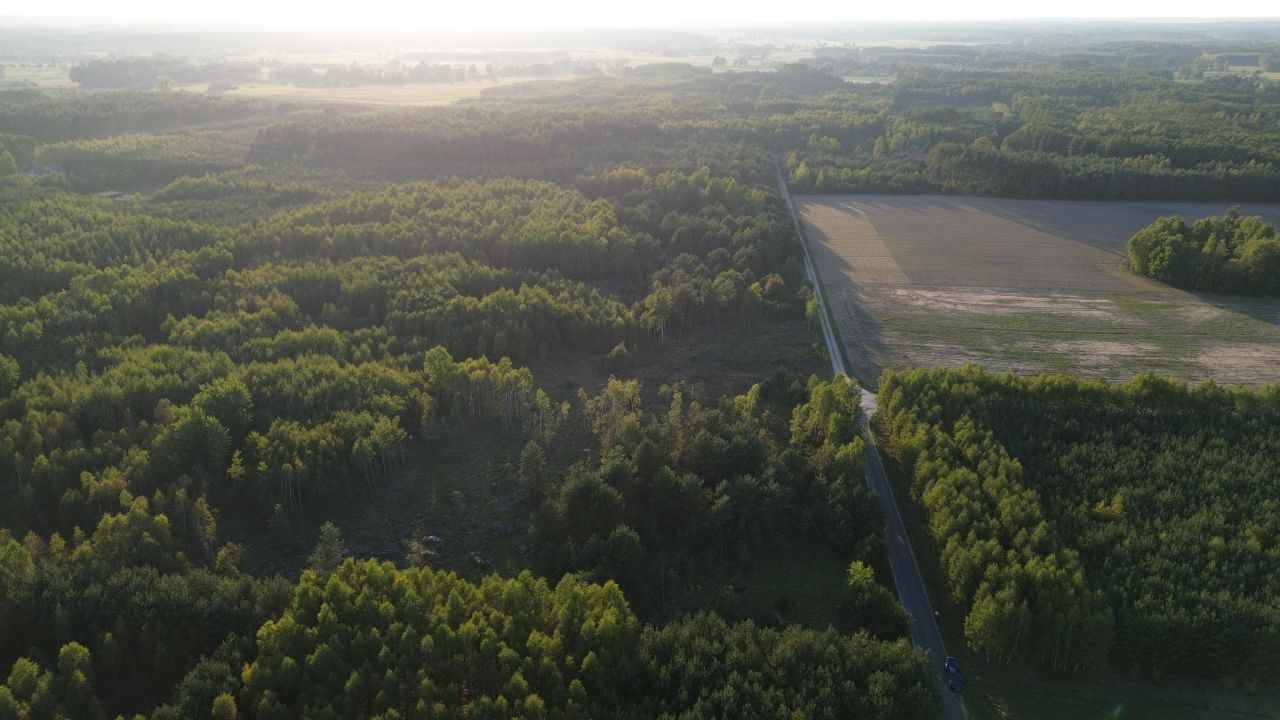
(951, 670)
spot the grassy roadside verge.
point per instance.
(995, 691)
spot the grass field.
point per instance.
(995, 691)
(1026, 286)
(44, 76)
(409, 94)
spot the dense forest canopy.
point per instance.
(255, 344)
(1147, 507)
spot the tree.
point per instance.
(228, 560)
(861, 578)
(16, 572)
(279, 522)
(228, 401)
(619, 360)
(224, 708)
(329, 551)
(533, 470)
(165, 84)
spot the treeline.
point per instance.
(356, 74)
(423, 72)
(1230, 254)
(656, 118)
(142, 73)
(1056, 134)
(76, 116)
(983, 169)
(1151, 495)
(119, 622)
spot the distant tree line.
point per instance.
(1057, 133)
(78, 116)
(142, 73)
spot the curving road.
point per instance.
(902, 561)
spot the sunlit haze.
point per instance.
(516, 14)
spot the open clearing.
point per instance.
(409, 94)
(1026, 286)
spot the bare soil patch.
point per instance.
(1253, 363)
(994, 302)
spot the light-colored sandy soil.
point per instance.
(991, 302)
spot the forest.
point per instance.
(1083, 523)
(1230, 254)
(1051, 133)
(254, 345)
(284, 314)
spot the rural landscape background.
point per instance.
(738, 369)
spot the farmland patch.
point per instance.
(1026, 286)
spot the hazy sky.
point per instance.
(509, 14)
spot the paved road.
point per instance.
(902, 561)
(907, 580)
(833, 347)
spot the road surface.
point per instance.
(902, 561)
(828, 332)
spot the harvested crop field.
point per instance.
(1027, 286)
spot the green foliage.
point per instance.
(65, 691)
(224, 708)
(329, 550)
(870, 605)
(707, 670)
(82, 115)
(1230, 254)
(619, 360)
(229, 402)
(533, 470)
(1094, 481)
(1026, 590)
(10, 374)
(370, 641)
(124, 160)
(254, 345)
(679, 500)
(1063, 134)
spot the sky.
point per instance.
(422, 15)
